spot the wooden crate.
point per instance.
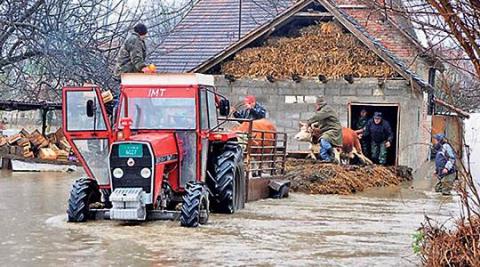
(47, 154)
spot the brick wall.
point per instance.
(279, 97)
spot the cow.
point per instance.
(350, 149)
(261, 129)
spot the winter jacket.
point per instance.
(445, 159)
(255, 113)
(329, 126)
(361, 123)
(379, 133)
(132, 54)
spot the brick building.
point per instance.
(214, 31)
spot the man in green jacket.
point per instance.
(132, 54)
(329, 128)
(360, 129)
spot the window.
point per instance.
(95, 153)
(162, 113)
(77, 119)
(203, 109)
(212, 110)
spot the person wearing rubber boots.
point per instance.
(445, 169)
(381, 137)
(328, 127)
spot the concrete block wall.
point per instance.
(288, 102)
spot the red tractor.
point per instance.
(164, 149)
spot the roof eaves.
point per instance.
(457, 110)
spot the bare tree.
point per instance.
(449, 30)
(46, 44)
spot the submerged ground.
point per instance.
(373, 228)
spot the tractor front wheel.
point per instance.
(226, 179)
(195, 206)
(84, 192)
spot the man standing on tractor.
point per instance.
(328, 128)
(131, 59)
(132, 54)
(445, 169)
(381, 136)
(253, 110)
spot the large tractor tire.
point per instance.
(226, 179)
(195, 206)
(84, 192)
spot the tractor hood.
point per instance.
(162, 143)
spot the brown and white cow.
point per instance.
(350, 149)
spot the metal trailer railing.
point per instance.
(265, 152)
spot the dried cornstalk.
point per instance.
(319, 50)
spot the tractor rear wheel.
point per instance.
(195, 208)
(226, 179)
(84, 192)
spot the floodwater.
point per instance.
(368, 229)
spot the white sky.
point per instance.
(472, 138)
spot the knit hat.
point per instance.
(377, 115)
(250, 99)
(140, 28)
(320, 100)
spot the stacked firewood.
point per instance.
(319, 50)
(35, 145)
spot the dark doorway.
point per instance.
(390, 114)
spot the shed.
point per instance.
(216, 32)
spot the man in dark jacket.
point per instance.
(132, 54)
(445, 169)
(328, 127)
(360, 128)
(381, 137)
(253, 110)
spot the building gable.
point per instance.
(200, 55)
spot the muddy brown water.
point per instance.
(373, 228)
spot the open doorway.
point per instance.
(390, 113)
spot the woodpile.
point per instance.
(34, 145)
(321, 50)
(313, 177)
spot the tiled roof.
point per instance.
(400, 63)
(206, 33)
(209, 28)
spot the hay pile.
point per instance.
(460, 247)
(322, 49)
(312, 177)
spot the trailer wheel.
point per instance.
(195, 208)
(226, 179)
(84, 192)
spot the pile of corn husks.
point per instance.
(322, 49)
(313, 177)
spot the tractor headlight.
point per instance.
(117, 173)
(145, 172)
